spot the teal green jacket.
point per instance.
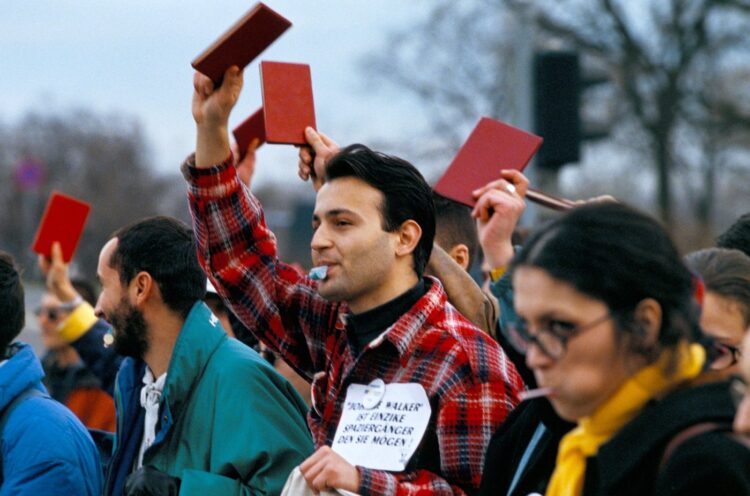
(229, 424)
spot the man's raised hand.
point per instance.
(499, 206)
(314, 157)
(211, 109)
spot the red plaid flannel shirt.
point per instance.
(471, 384)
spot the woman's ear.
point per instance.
(648, 316)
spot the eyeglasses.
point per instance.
(726, 356)
(552, 339)
(738, 390)
(52, 313)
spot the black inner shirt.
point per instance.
(366, 326)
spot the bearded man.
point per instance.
(197, 412)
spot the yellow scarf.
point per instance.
(613, 414)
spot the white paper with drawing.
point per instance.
(382, 424)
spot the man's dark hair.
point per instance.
(12, 311)
(164, 247)
(737, 237)
(455, 225)
(407, 196)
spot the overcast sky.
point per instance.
(133, 57)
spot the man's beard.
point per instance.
(130, 331)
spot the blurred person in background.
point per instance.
(725, 311)
(737, 237)
(454, 253)
(67, 377)
(44, 448)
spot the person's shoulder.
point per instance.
(237, 374)
(718, 448)
(41, 423)
(236, 363)
(467, 345)
(461, 331)
(710, 461)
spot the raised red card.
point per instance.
(63, 221)
(287, 101)
(251, 128)
(244, 41)
(492, 146)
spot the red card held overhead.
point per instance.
(287, 101)
(251, 128)
(242, 43)
(63, 221)
(491, 147)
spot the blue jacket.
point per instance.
(229, 424)
(44, 447)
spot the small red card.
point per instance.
(288, 106)
(63, 221)
(244, 41)
(491, 147)
(251, 128)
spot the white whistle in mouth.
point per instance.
(318, 273)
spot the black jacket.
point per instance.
(628, 464)
(709, 463)
(508, 445)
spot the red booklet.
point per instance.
(287, 101)
(492, 146)
(63, 221)
(244, 41)
(251, 128)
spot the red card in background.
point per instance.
(492, 146)
(287, 101)
(244, 41)
(251, 128)
(63, 221)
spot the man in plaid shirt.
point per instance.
(373, 316)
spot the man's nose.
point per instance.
(320, 239)
(98, 308)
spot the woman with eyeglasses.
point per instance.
(609, 326)
(725, 312)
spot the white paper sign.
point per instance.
(384, 434)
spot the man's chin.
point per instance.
(330, 292)
(127, 346)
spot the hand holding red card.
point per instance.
(287, 101)
(63, 221)
(491, 147)
(242, 43)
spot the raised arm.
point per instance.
(236, 248)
